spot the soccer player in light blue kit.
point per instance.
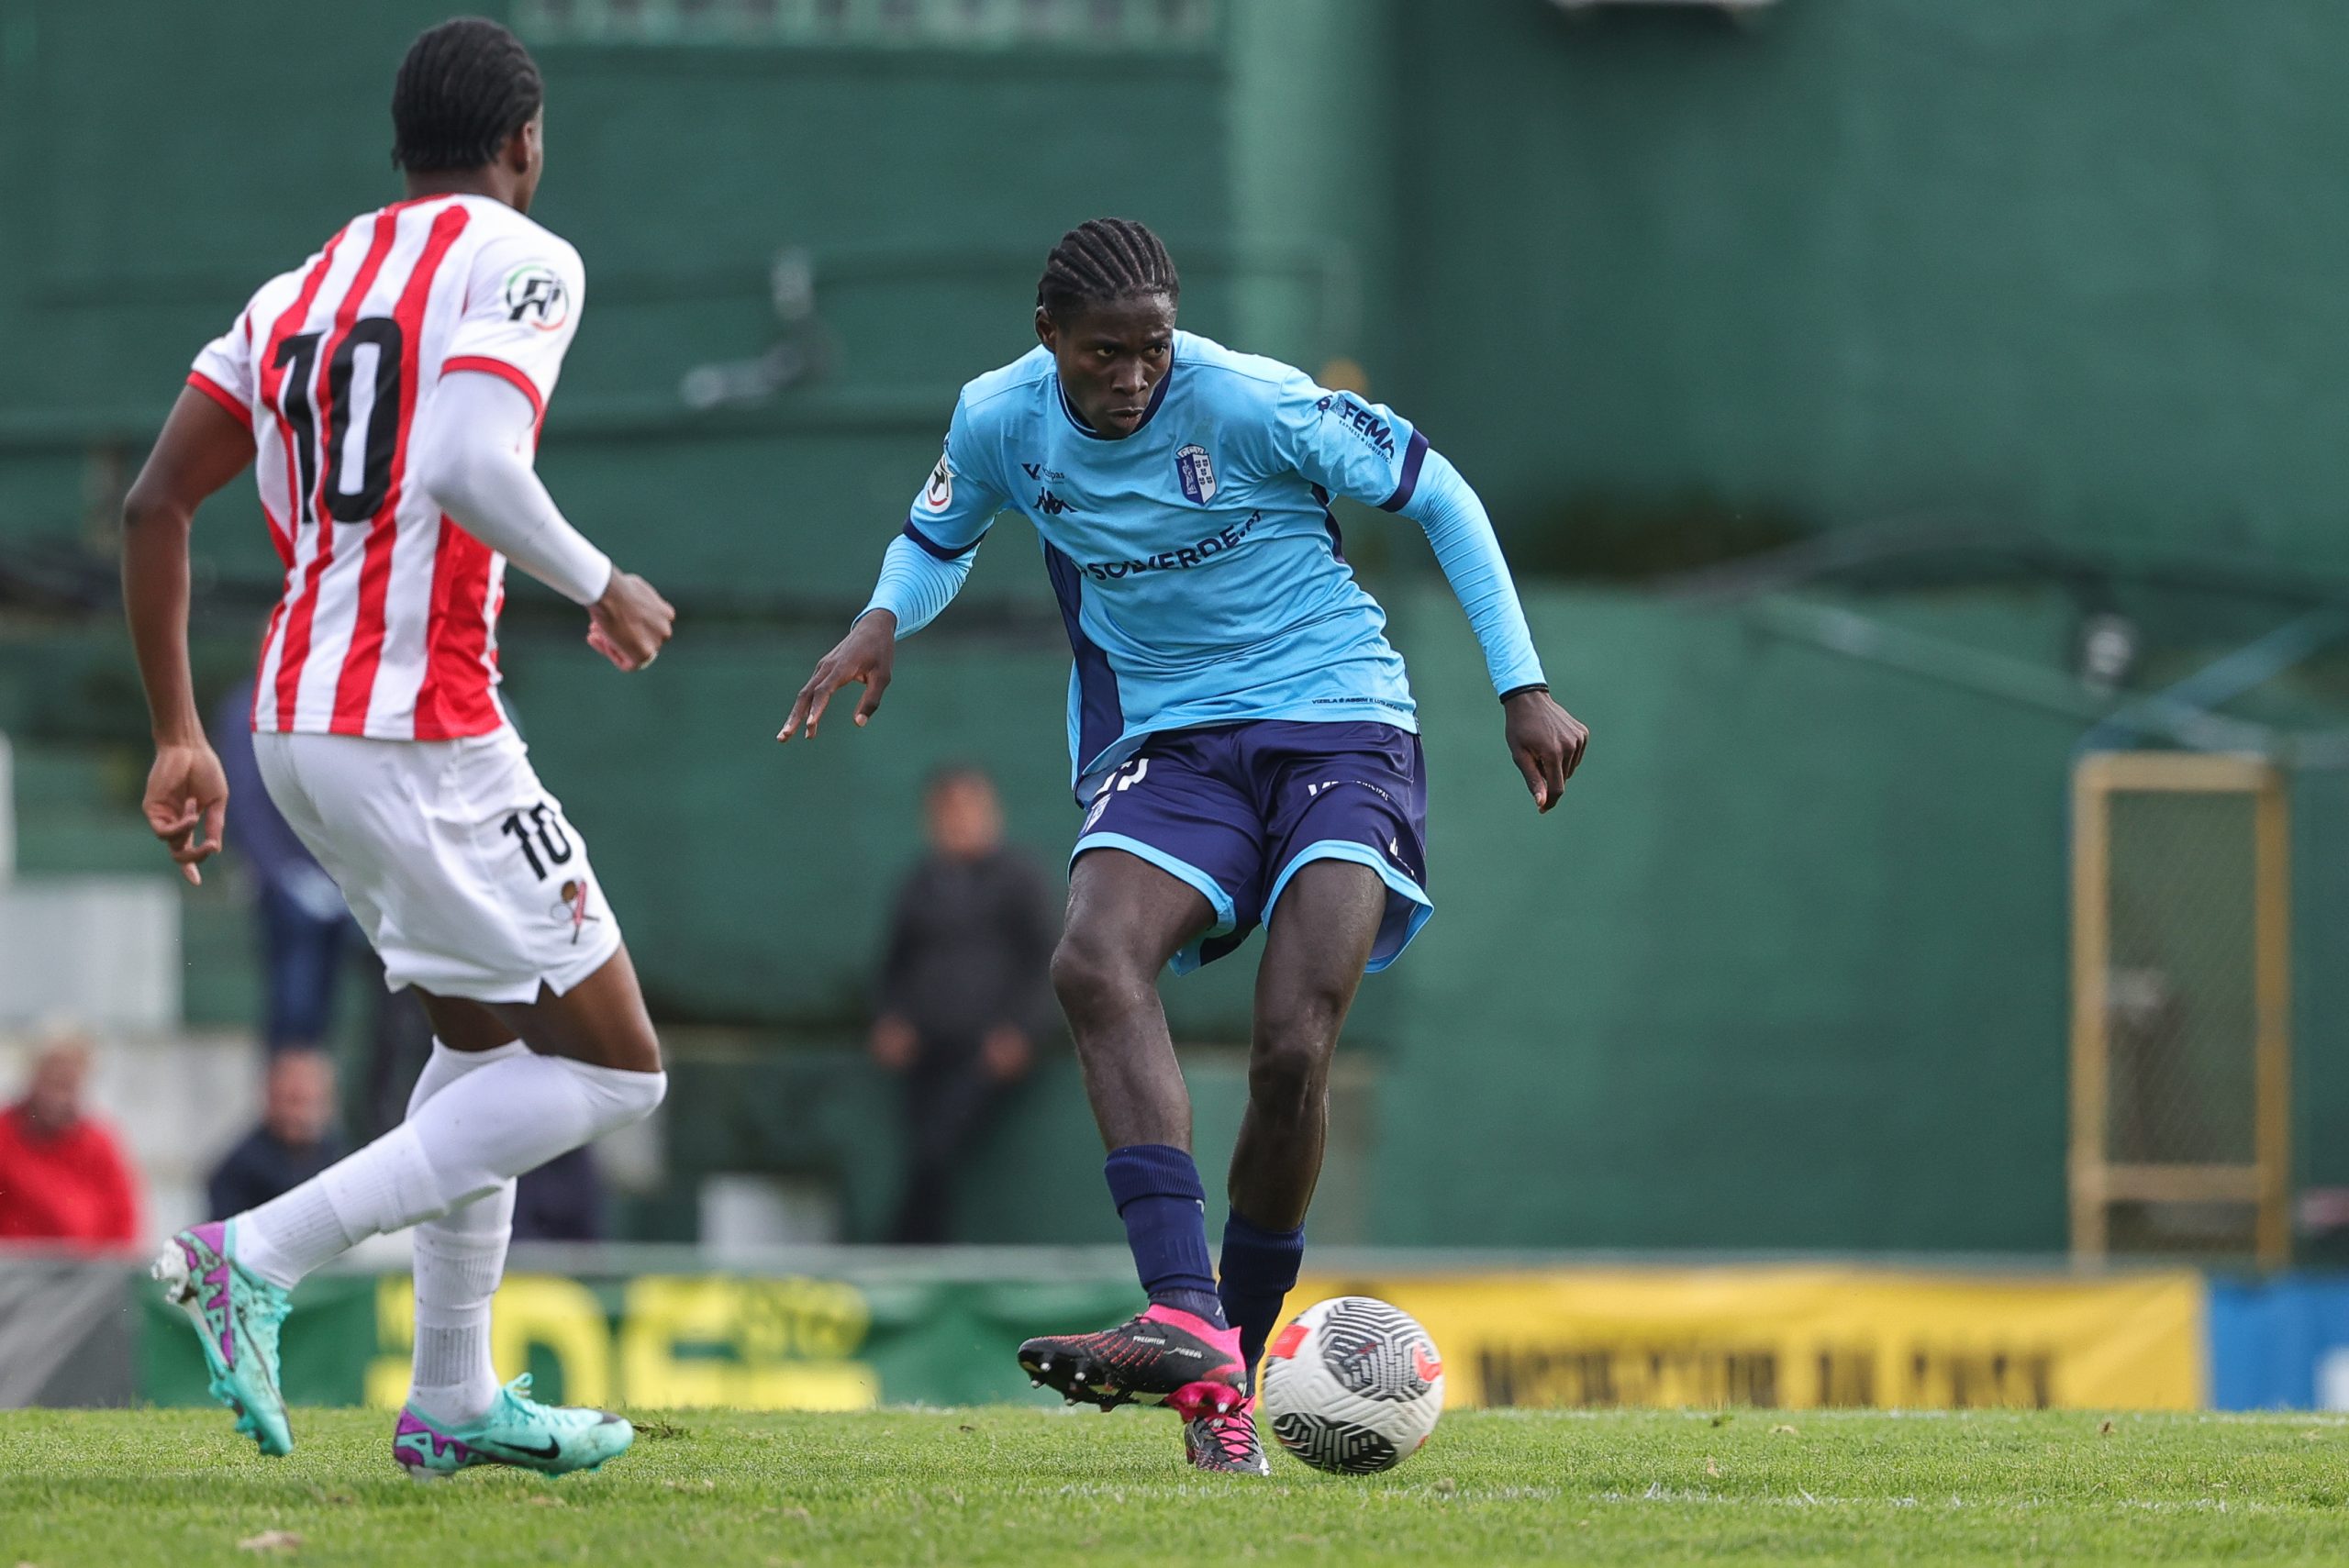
(1246, 742)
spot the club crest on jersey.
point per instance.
(535, 293)
(1193, 467)
(939, 492)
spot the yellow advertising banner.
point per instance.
(677, 1341)
(1802, 1337)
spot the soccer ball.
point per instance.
(1352, 1385)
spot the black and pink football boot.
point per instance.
(1146, 1360)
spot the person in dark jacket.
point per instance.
(964, 992)
(562, 1200)
(306, 928)
(295, 1141)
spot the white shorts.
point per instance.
(457, 862)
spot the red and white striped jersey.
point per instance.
(388, 623)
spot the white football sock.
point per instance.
(296, 1224)
(460, 1259)
(477, 1132)
(458, 1267)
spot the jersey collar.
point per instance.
(1157, 396)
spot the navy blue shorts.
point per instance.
(1235, 809)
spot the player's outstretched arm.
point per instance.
(921, 572)
(916, 583)
(472, 443)
(1544, 740)
(202, 448)
(865, 656)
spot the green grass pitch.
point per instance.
(1029, 1487)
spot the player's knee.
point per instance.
(1091, 977)
(618, 1097)
(1296, 1032)
(1289, 1072)
(647, 1095)
(1301, 1016)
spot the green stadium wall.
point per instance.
(1787, 972)
(2070, 265)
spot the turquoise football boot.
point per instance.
(236, 1315)
(553, 1439)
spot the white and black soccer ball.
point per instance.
(1352, 1385)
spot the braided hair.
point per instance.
(1102, 260)
(465, 87)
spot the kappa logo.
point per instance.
(1051, 504)
(937, 493)
(536, 291)
(1196, 473)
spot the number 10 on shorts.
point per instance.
(546, 828)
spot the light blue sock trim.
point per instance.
(1399, 885)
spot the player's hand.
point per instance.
(894, 1042)
(186, 790)
(864, 655)
(1006, 1054)
(631, 622)
(1547, 742)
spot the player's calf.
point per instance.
(1259, 1268)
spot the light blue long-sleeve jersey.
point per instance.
(1199, 571)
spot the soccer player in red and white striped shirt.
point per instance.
(388, 392)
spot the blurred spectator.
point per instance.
(963, 992)
(400, 1045)
(295, 1141)
(306, 928)
(62, 1175)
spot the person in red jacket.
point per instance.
(62, 1175)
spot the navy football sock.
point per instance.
(1259, 1271)
(1157, 1190)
